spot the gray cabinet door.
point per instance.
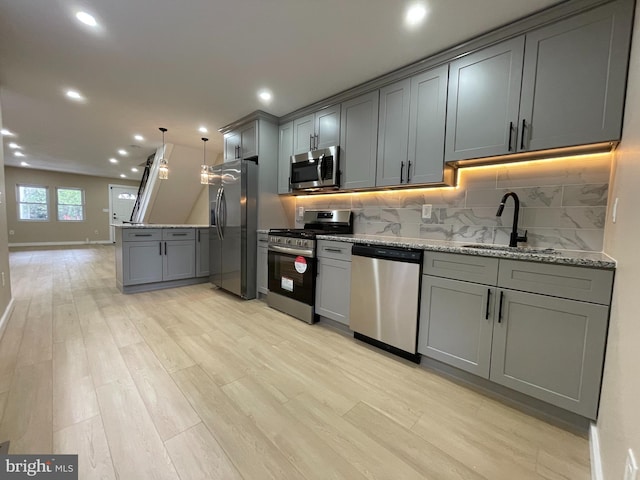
(358, 141)
(249, 140)
(456, 323)
(262, 274)
(231, 146)
(285, 150)
(483, 102)
(427, 119)
(179, 259)
(327, 127)
(303, 134)
(333, 289)
(393, 133)
(573, 83)
(550, 348)
(141, 262)
(202, 252)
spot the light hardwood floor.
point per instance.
(193, 383)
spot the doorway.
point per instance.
(121, 202)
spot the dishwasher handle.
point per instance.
(397, 254)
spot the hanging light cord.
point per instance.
(204, 149)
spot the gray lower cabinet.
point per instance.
(149, 258)
(262, 271)
(457, 323)
(141, 262)
(333, 283)
(550, 348)
(358, 141)
(536, 328)
(285, 150)
(202, 252)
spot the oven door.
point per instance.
(292, 273)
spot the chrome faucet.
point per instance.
(514, 238)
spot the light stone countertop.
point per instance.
(263, 230)
(562, 257)
(156, 225)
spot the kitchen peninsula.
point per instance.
(154, 256)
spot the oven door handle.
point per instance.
(291, 251)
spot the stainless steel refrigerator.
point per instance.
(233, 212)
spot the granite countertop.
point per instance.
(156, 225)
(563, 257)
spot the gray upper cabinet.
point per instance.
(358, 141)
(240, 144)
(484, 97)
(550, 348)
(285, 150)
(573, 84)
(427, 117)
(231, 146)
(317, 130)
(393, 133)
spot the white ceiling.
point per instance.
(182, 64)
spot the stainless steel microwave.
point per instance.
(315, 170)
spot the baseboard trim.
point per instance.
(594, 447)
(5, 316)
(60, 244)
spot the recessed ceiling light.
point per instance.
(15, 146)
(113, 160)
(74, 95)
(18, 154)
(24, 164)
(87, 19)
(139, 138)
(265, 95)
(415, 14)
(134, 169)
(203, 130)
(7, 133)
(122, 152)
(122, 175)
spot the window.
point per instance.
(33, 203)
(70, 204)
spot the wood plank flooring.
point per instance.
(193, 383)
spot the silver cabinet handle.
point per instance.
(310, 142)
(317, 141)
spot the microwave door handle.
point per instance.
(320, 162)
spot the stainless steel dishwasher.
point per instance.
(385, 287)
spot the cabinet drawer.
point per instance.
(461, 267)
(576, 283)
(335, 250)
(178, 233)
(141, 234)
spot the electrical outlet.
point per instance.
(300, 213)
(12, 232)
(631, 467)
(96, 232)
(426, 211)
(614, 210)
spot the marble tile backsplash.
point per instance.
(563, 205)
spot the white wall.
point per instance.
(5, 291)
(619, 417)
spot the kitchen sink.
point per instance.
(505, 248)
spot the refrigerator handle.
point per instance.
(223, 207)
(217, 213)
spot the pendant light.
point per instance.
(163, 170)
(204, 168)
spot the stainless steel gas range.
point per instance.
(292, 261)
